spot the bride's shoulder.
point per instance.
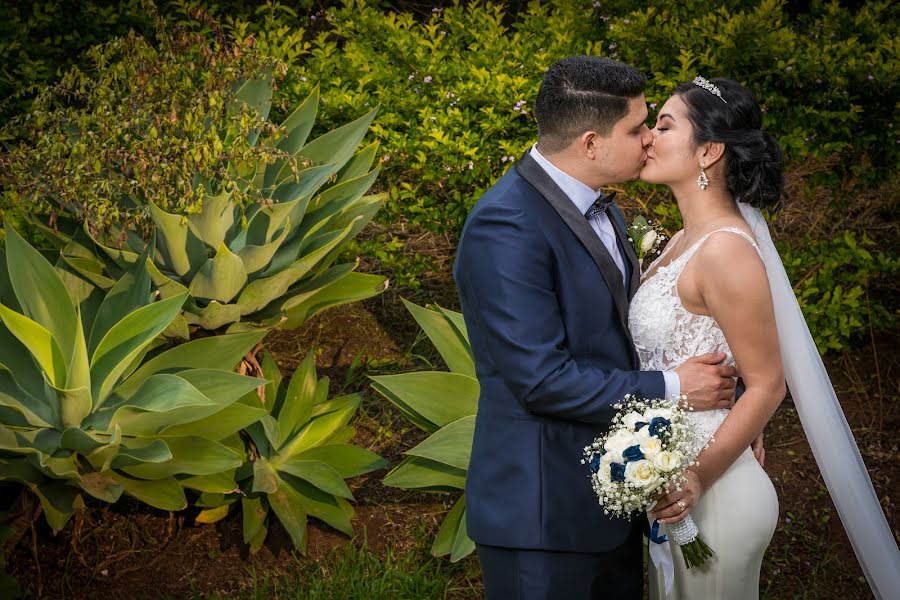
(731, 251)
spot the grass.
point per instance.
(354, 572)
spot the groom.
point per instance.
(545, 272)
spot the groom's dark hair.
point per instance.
(583, 93)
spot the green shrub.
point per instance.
(40, 39)
(145, 121)
(833, 280)
(457, 88)
(456, 93)
(250, 217)
(824, 77)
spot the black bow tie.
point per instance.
(600, 205)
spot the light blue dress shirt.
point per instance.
(583, 197)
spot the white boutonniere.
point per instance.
(646, 237)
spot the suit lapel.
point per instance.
(618, 222)
(544, 184)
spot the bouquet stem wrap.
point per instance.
(687, 536)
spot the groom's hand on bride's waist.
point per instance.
(707, 383)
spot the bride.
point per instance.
(720, 286)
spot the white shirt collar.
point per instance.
(579, 193)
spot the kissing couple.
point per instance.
(563, 325)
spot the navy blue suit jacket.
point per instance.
(546, 312)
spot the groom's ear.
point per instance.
(589, 144)
(711, 152)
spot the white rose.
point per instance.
(631, 418)
(668, 461)
(650, 413)
(648, 240)
(604, 473)
(642, 473)
(617, 443)
(651, 447)
(642, 436)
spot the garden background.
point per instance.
(128, 122)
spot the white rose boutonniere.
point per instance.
(646, 238)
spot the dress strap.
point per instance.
(693, 249)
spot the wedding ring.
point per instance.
(681, 504)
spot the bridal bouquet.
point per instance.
(647, 449)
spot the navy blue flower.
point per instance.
(639, 425)
(595, 463)
(632, 453)
(659, 427)
(617, 471)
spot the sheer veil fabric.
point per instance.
(826, 427)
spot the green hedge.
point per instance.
(456, 85)
(38, 40)
(845, 286)
(456, 89)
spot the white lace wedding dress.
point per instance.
(737, 515)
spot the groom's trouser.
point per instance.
(512, 574)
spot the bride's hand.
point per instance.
(759, 450)
(677, 504)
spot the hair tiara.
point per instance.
(709, 87)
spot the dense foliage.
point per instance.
(455, 86)
(143, 122)
(131, 117)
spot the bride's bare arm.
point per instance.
(731, 283)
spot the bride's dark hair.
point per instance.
(753, 158)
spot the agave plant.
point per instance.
(298, 460)
(273, 262)
(444, 405)
(84, 409)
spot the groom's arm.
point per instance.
(505, 274)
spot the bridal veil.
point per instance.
(826, 427)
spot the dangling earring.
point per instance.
(703, 180)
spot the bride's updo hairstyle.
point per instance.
(753, 158)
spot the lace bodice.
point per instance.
(666, 334)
